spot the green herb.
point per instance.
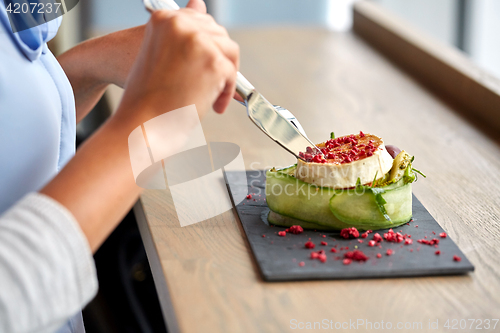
(419, 172)
(374, 179)
(332, 135)
(380, 201)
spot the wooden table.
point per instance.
(205, 274)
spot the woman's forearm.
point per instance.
(97, 186)
(92, 65)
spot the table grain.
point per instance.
(205, 273)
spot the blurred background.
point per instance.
(127, 301)
(472, 26)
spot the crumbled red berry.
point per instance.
(314, 255)
(356, 255)
(377, 238)
(389, 252)
(437, 252)
(346, 261)
(324, 243)
(263, 236)
(301, 264)
(334, 250)
(395, 237)
(296, 229)
(372, 243)
(364, 235)
(433, 241)
(249, 196)
(408, 241)
(379, 255)
(360, 241)
(443, 235)
(456, 258)
(349, 233)
(282, 233)
(309, 245)
(322, 257)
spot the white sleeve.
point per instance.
(47, 272)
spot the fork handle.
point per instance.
(243, 87)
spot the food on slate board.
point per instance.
(355, 181)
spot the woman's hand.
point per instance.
(186, 58)
(94, 64)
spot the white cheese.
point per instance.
(345, 175)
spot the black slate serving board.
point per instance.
(279, 257)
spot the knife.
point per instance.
(272, 120)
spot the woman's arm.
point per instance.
(46, 268)
(185, 59)
(94, 64)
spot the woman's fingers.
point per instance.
(227, 92)
(229, 48)
(198, 5)
(186, 58)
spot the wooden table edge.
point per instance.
(159, 278)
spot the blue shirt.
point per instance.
(37, 117)
(37, 111)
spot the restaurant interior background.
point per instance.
(471, 26)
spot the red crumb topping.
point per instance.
(249, 196)
(379, 255)
(301, 264)
(320, 255)
(377, 238)
(349, 233)
(282, 233)
(372, 243)
(443, 235)
(437, 252)
(309, 245)
(343, 149)
(356, 255)
(457, 258)
(296, 229)
(324, 243)
(433, 241)
(389, 252)
(346, 261)
(334, 250)
(396, 237)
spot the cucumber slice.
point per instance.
(360, 207)
(287, 221)
(294, 198)
(293, 201)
